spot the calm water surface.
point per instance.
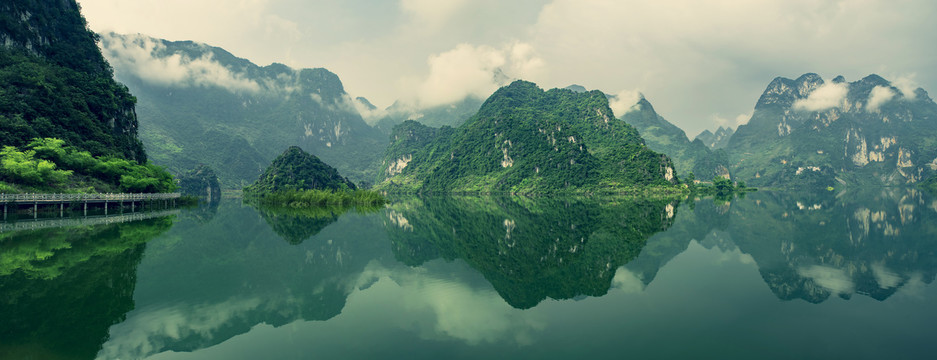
(771, 275)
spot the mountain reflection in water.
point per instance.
(474, 275)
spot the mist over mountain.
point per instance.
(201, 104)
(812, 132)
(453, 114)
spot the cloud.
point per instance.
(885, 278)
(906, 85)
(740, 119)
(878, 97)
(624, 101)
(146, 59)
(369, 114)
(834, 280)
(440, 307)
(152, 331)
(828, 95)
(469, 70)
(627, 281)
(694, 58)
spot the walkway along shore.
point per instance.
(16, 201)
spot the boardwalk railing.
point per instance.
(90, 220)
(27, 198)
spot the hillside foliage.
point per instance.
(48, 165)
(527, 140)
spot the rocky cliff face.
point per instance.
(811, 132)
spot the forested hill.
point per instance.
(296, 169)
(526, 140)
(54, 82)
(200, 104)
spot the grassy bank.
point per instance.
(312, 198)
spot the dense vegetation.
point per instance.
(312, 198)
(721, 188)
(525, 140)
(48, 165)
(55, 83)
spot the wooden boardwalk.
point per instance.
(15, 201)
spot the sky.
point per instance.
(702, 64)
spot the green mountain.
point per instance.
(808, 132)
(201, 104)
(662, 136)
(296, 169)
(716, 140)
(524, 139)
(55, 83)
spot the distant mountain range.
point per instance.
(716, 140)
(809, 132)
(200, 104)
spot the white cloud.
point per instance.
(370, 115)
(627, 281)
(827, 96)
(151, 331)
(624, 101)
(469, 70)
(740, 119)
(141, 56)
(441, 307)
(878, 97)
(885, 278)
(906, 85)
(834, 280)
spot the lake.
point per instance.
(769, 275)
